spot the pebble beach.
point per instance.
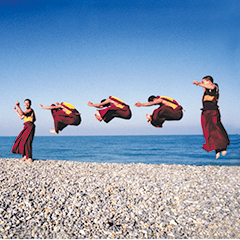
(67, 199)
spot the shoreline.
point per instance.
(68, 199)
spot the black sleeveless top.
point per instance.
(210, 99)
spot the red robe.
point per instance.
(164, 112)
(214, 133)
(120, 110)
(64, 118)
(23, 142)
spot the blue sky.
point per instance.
(80, 51)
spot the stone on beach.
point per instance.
(66, 199)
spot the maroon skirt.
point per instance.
(23, 142)
(214, 133)
(163, 113)
(111, 112)
(61, 119)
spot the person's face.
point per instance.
(205, 81)
(27, 104)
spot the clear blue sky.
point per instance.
(79, 51)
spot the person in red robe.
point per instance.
(23, 142)
(112, 107)
(214, 133)
(169, 110)
(63, 114)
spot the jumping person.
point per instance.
(169, 110)
(113, 107)
(215, 135)
(23, 142)
(63, 114)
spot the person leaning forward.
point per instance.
(169, 110)
(63, 114)
(111, 108)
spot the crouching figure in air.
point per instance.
(63, 114)
(168, 110)
(112, 107)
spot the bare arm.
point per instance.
(208, 86)
(99, 105)
(147, 104)
(18, 108)
(21, 116)
(51, 107)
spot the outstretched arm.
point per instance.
(99, 105)
(51, 107)
(147, 104)
(208, 86)
(138, 104)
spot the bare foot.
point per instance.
(57, 103)
(52, 131)
(224, 152)
(98, 117)
(29, 160)
(149, 119)
(217, 155)
(23, 159)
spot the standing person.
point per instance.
(23, 142)
(214, 133)
(169, 110)
(114, 107)
(63, 114)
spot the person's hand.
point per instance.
(137, 104)
(17, 103)
(90, 104)
(15, 109)
(41, 106)
(196, 82)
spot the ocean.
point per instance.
(154, 149)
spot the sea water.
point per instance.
(154, 149)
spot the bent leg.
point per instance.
(109, 113)
(57, 119)
(157, 119)
(58, 124)
(61, 119)
(125, 114)
(75, 120)
(165, 113)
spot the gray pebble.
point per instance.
(64, 199)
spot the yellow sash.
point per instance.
(208, 98)
(67, 111)
(29, 119)
(119, 102)
(170, 104)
